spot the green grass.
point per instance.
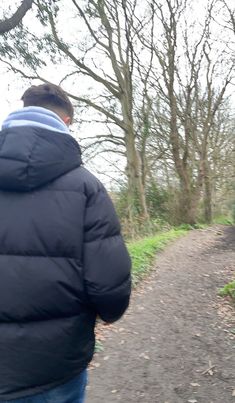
(223, 220)
(143, 251)
(98, 346)
(198, 225)
(228, 290)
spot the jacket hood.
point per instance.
(35, 116)
(31, 157)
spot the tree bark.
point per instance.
(207, 196)
(189, 204)
(136, 193)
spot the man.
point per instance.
(62, 258)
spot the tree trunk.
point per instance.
(137, 205)
(207, 196)
(188, 203)
(136, 194)
(188, 210)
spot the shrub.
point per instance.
(228, 290)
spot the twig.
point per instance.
(209, 370)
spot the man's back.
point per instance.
(62, 261)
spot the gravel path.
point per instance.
(174, 344)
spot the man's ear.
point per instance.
(67, 120)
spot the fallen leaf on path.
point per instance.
(114, 391)
(194, 384)
(96, 364)
(192, 401)
(145, 356)
(233, 393)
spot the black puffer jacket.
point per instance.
(62, 261)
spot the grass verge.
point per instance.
(228, 290)
(143, 251)
(223, 220)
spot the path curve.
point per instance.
(172, 346)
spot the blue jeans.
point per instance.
(70, 392)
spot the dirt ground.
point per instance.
(177, 341)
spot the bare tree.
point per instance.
(179, 84)
(111, 31)
(221, 160)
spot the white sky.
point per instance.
(10, 92)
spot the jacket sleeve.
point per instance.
(106, 261)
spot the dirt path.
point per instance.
(172, 334)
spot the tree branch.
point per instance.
(99, 108)
(63, 48)
(10, 23)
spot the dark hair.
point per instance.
(49, 96)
